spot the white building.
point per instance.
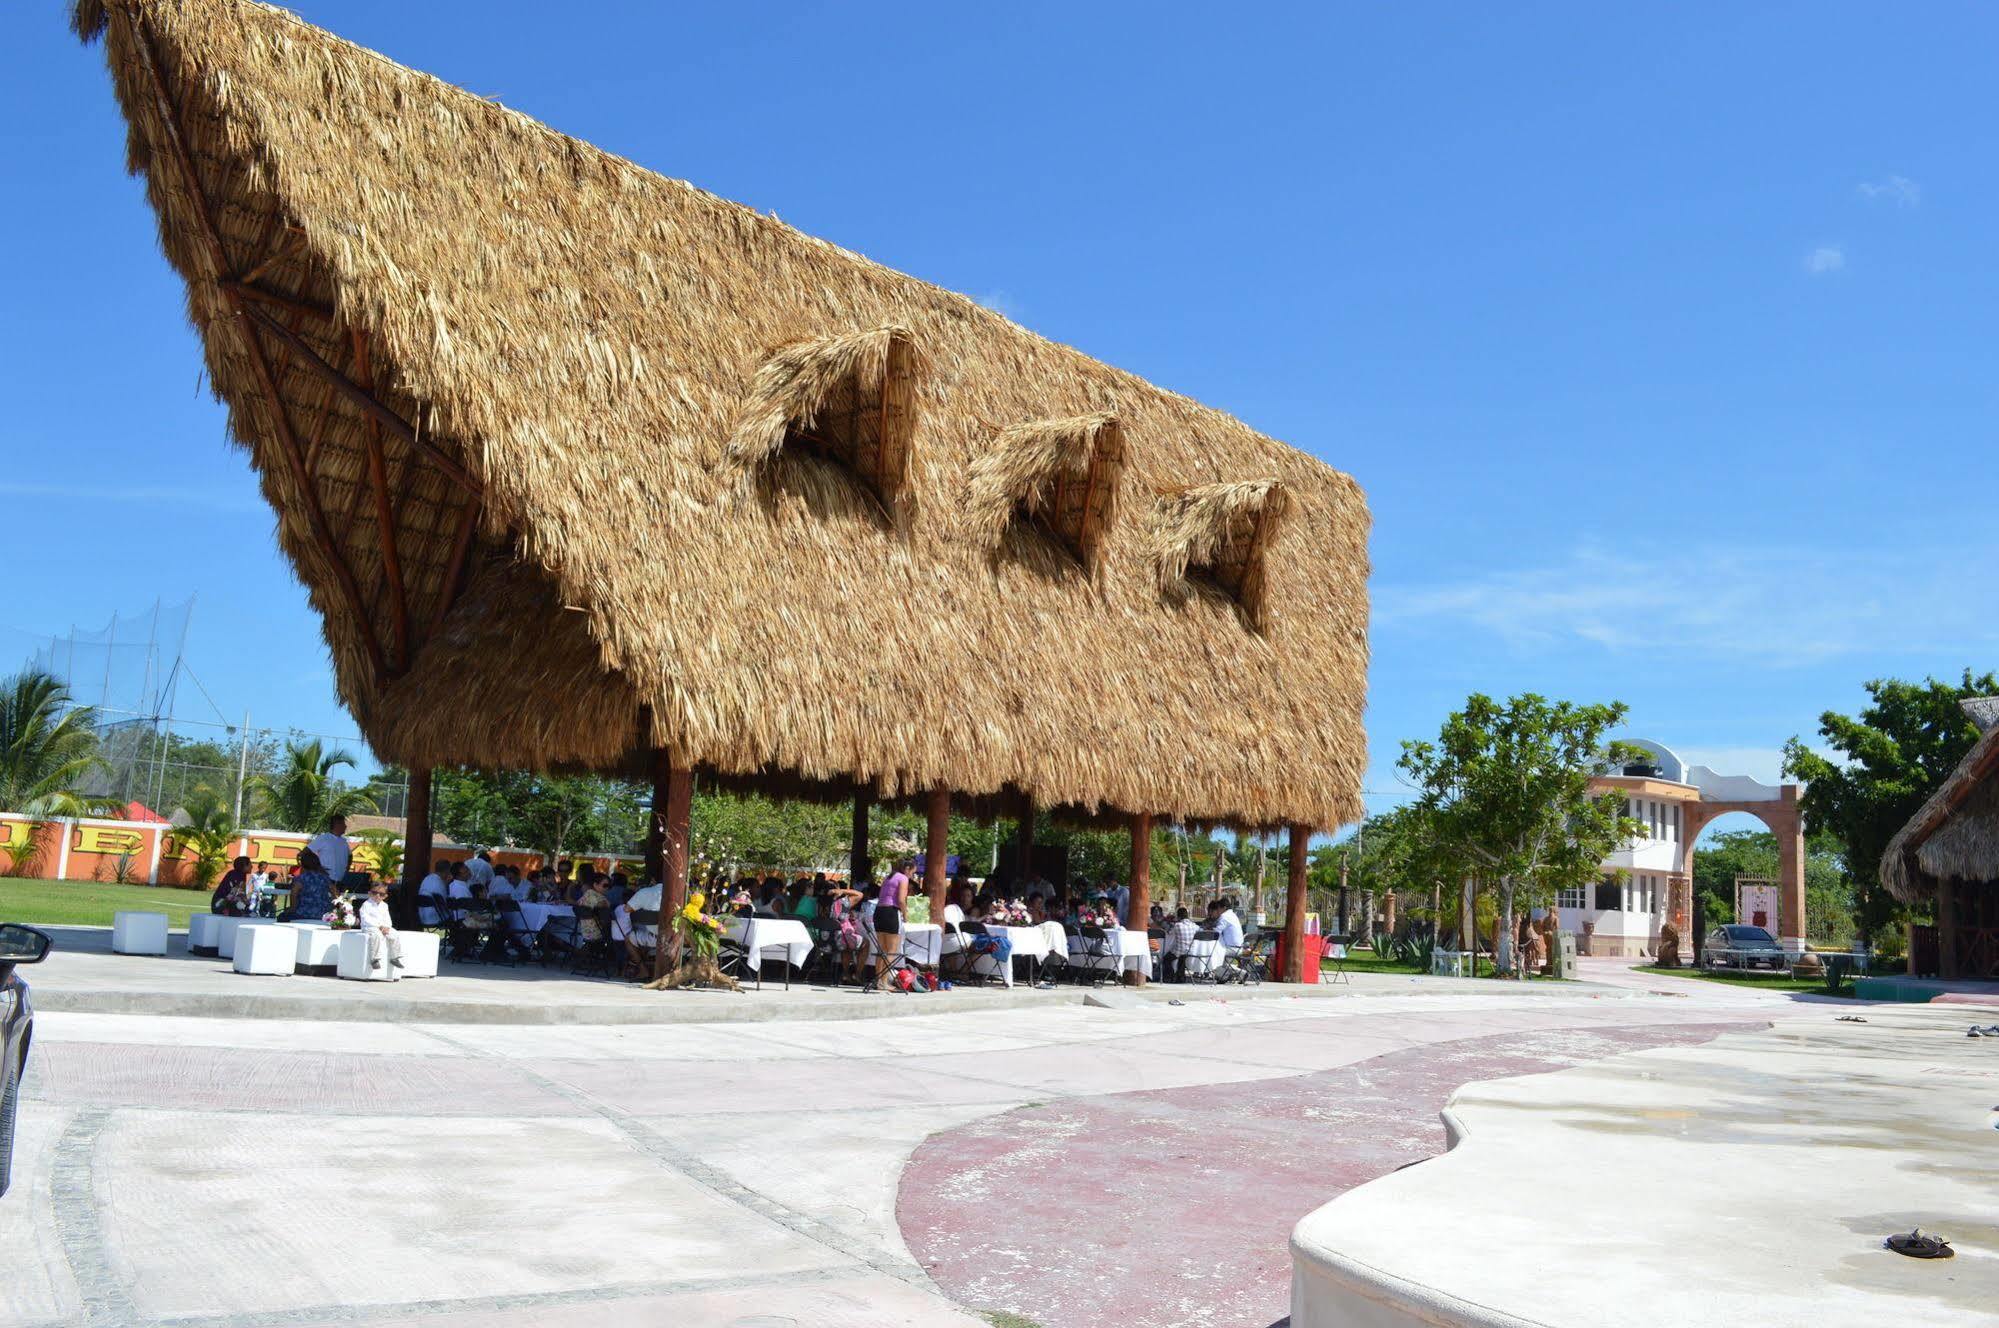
(1649, 880)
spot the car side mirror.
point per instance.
(23, 945)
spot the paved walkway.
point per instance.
(235, 1173)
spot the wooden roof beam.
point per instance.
(294, 455)
(366, 400)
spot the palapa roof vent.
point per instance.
(1059, 478)
(1216, 538)
(846, 399)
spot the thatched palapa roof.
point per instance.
(1955, 834)
(655, 470)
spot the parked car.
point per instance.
(1737, 945)
(18, 945)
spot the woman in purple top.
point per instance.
(888, 920)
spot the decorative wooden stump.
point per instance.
(695, 973)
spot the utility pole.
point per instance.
(1343, 893)
(242, 768)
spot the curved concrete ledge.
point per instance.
(1573, 1199)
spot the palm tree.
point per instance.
(48, 747)
(209, 834)
(304, 794)
(384, 853)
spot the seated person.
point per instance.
(381, 931)
(312, 891)
(459, 881)
(233, 895)
(589, 927)
(641, 942)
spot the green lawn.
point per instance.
(91, 903)
(1760, 978)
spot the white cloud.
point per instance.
(1826, 258)
(1777, 606)
(1000, 303)
(1898, 190)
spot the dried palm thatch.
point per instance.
(1216, 538)
(1955, 834)
(504, 392)
(1062, 476)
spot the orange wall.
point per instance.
(94, 847)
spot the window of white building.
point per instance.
(1574, 896)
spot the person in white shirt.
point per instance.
(480, 869)
(1228, 927)
(431, 915)
(640, 941)
(330, 846)
(461, 882)
(504, 883)
(380, 931)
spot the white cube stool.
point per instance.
(318, 948)
(202, 931)
(270, 949)
(419, 956)
(226, 930)
(138, 933)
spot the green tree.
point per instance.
(48, 751)
(382, 850)
(48, 748)
(1829, 894)
(304, 794)
(209, 834)
(1891, 757)
(1508, 788)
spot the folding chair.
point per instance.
(1099, 961)
(511, 927)
(1203, 960)
(602, 955)
(897, 962)
(643, 920)
(1335, 954)
(1251, 963)
(973, 949)
(559, 938)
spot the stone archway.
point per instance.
(1785, 819)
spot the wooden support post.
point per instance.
(662, 769)
(416, 835)
(1294, 903)
(679, 802)
(1948, 924)
(1023, 842)
(860, 865)
(936, 844)
(1138, 915)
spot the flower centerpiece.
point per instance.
(341, 916)
(700, 937)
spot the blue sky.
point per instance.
(1662, 342)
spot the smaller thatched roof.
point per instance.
(1058, 476)
(1955, 834)
(1214, 537)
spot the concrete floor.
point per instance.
(227, 1173)
(1751, 1179)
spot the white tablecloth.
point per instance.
(755, 934)
(1203, 958)
(922, 943)
(534, 915)
(1133, 949)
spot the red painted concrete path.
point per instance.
(1173, 1208)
